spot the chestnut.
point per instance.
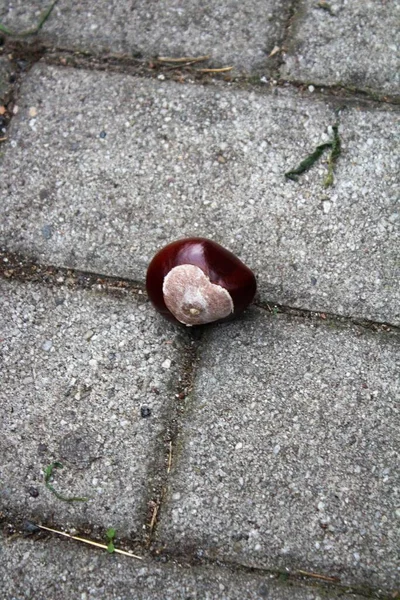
(196, 281)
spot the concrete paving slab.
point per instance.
(356, 44)
(58, 570)
(233, 33)
(77, 368)
(288, 457)
(19, 16)
(113, 167)
(5, 84)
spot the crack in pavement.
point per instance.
(14, 529)
(33, 52)
(18, 267)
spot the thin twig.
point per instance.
(179, 65)
(183, 59)
(222, 70)
(169, 457)
(154, 517)
(90, 542)
(274, 51)
(317, 576)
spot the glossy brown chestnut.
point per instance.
(196, 281)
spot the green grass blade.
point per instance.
(334, 155)
(308, 162)
(48, 472)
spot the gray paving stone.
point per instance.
(289, 454)
(347, 43)
(5, 85)
(58, 570)
(113, 167)
(76, 369)
(232, 32)
(19, 16)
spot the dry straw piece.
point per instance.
(90, 542)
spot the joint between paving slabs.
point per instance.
(293, 11)
(341, 91)
(325, 585)
(183, 392)
(199, 67)
(191, 71)
(17, 267)
(183, 73)
(17, 526)
(329, 319)
(21, 63)
(14, 529)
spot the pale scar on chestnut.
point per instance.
(191, 297)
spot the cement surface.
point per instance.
(19, 16)
(5, 86)
(136, 163)
(77, 368)
(60, 569)
(232, 33)
(352, 43)
(288, 455)
(270, 470)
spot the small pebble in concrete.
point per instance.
(47, 345)
(326, 206)
(33, 492)
(145, 411)
(47, 231)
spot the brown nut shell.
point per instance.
(220, 267)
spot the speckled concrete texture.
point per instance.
(355, 43)
(60, 569)
(250, 460)
(77, 367)
(136, 163)
(19, 16)
(5, 85)
(288, 455)
(232, 33)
